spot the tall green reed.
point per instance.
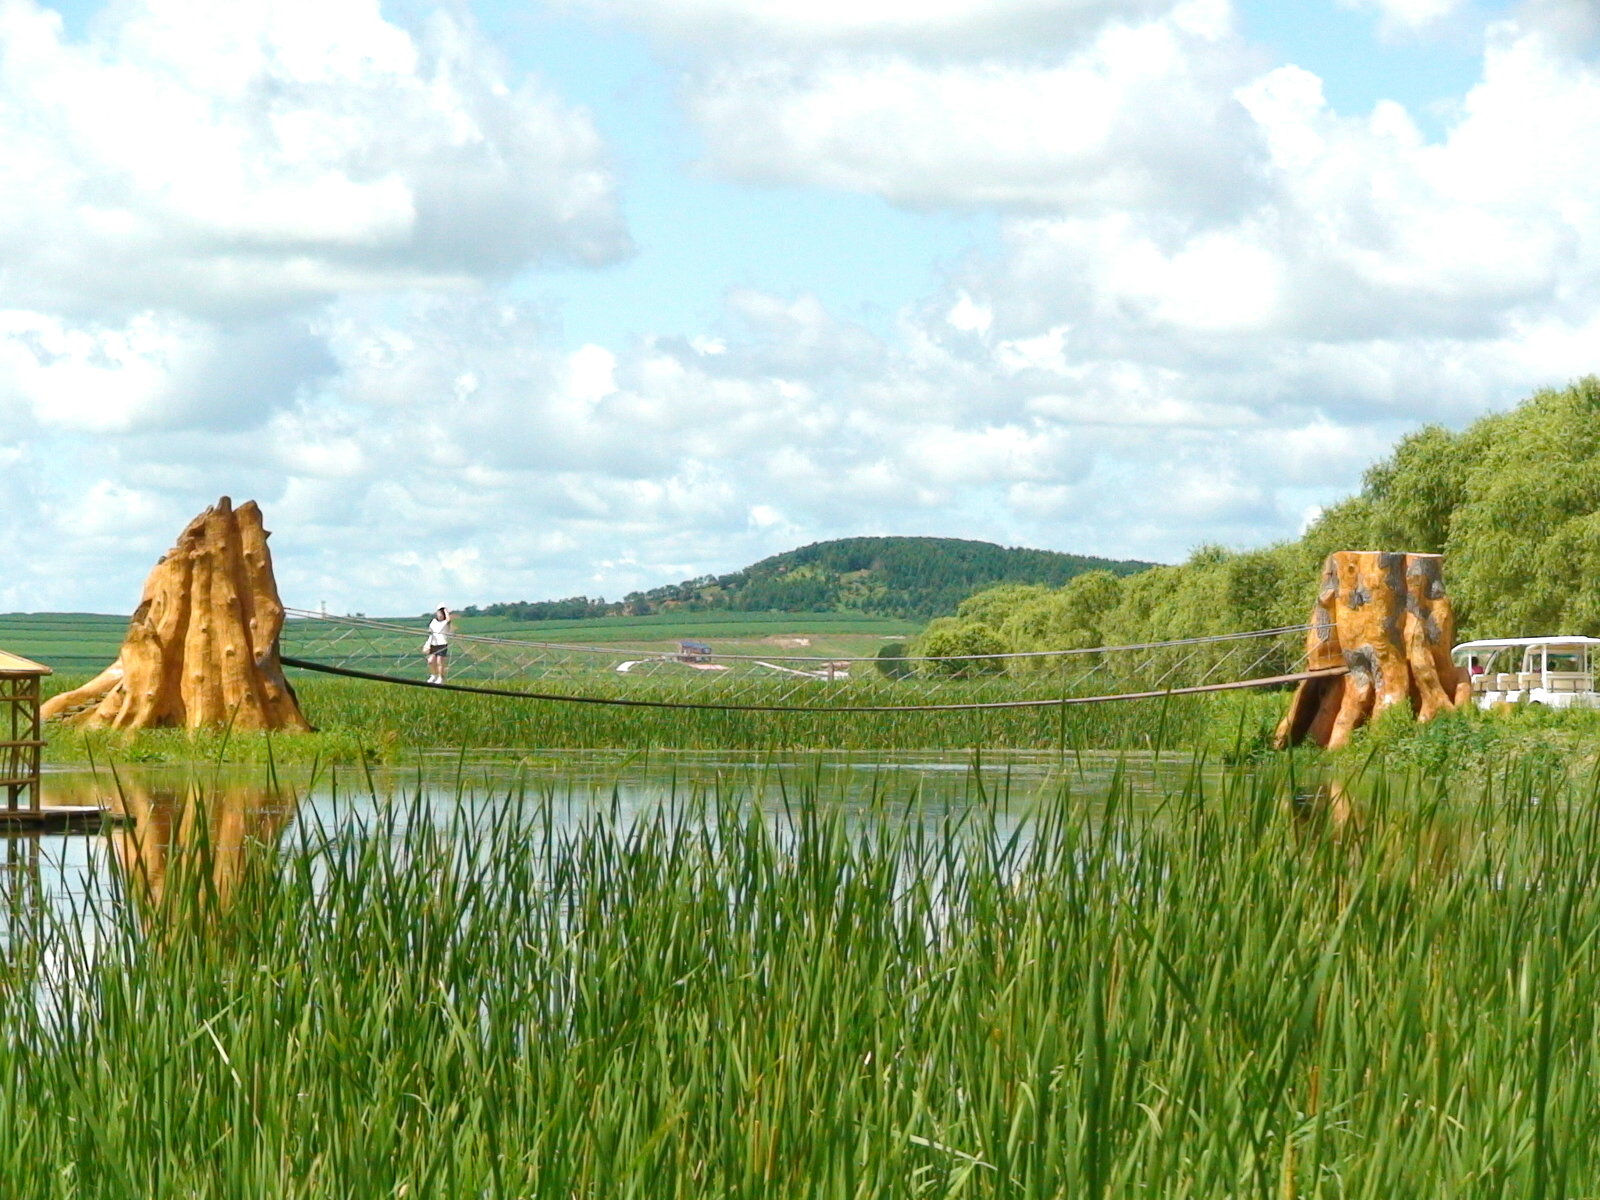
(1230, 993)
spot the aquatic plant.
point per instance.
(1239, 991)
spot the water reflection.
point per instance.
(198, 829)
(24, 899)
(208, 825)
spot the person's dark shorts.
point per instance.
(441, 651)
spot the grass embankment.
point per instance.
(1226, 997)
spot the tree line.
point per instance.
(1512, 501)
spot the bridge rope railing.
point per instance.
(690, 674)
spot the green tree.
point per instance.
(892, 662)
(1069, 618)
(992, 605)
(1414, 493)
(954, 646)
(1518, 543)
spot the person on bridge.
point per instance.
(437, 647)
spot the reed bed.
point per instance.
(420, 717)
(1229, 993)
(379, 722)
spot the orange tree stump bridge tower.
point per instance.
(202, 647)
(1385, 617)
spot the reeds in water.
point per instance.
(1224, 995)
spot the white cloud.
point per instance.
(195, 157)
(154, 371)
(969, 317)
(1406, 16)
(1140, 114)
(592, 373)
(1214, 298)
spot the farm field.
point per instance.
(825, 634)
(72, 643)
(83, 643)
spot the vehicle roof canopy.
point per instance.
(1513, 643)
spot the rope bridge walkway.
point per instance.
(690, 675)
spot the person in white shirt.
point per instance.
(437, 647)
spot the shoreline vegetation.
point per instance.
(361, 722)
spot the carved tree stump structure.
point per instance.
(202, 647)
(1385, 617)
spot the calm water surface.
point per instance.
(171, 805)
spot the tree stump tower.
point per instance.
(1384, 617)
(202, 647)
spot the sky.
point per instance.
(487, 300)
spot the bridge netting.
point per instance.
(694, 675)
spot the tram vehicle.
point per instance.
(1554, 671)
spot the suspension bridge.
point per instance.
(692, 676)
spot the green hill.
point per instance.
(908, 577)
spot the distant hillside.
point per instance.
(911, 577)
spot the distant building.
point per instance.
(693, 652)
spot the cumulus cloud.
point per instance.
(1141, 113)
(1375, 279)
(153, 372)
(187, 188)
(250, 157)
(1213, 300)
(1574, 24)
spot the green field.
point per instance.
(83, 643)
(75, 643)
(377, 722)
(825, 635)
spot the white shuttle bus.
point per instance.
(1554, 671)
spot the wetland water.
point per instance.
(173, 807)
(602, 975)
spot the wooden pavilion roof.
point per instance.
(15, 664)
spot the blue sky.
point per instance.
(699, 235)
(513, 301)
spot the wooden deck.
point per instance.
(63, 818)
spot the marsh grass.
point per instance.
(1229, 994)
(357, 721)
